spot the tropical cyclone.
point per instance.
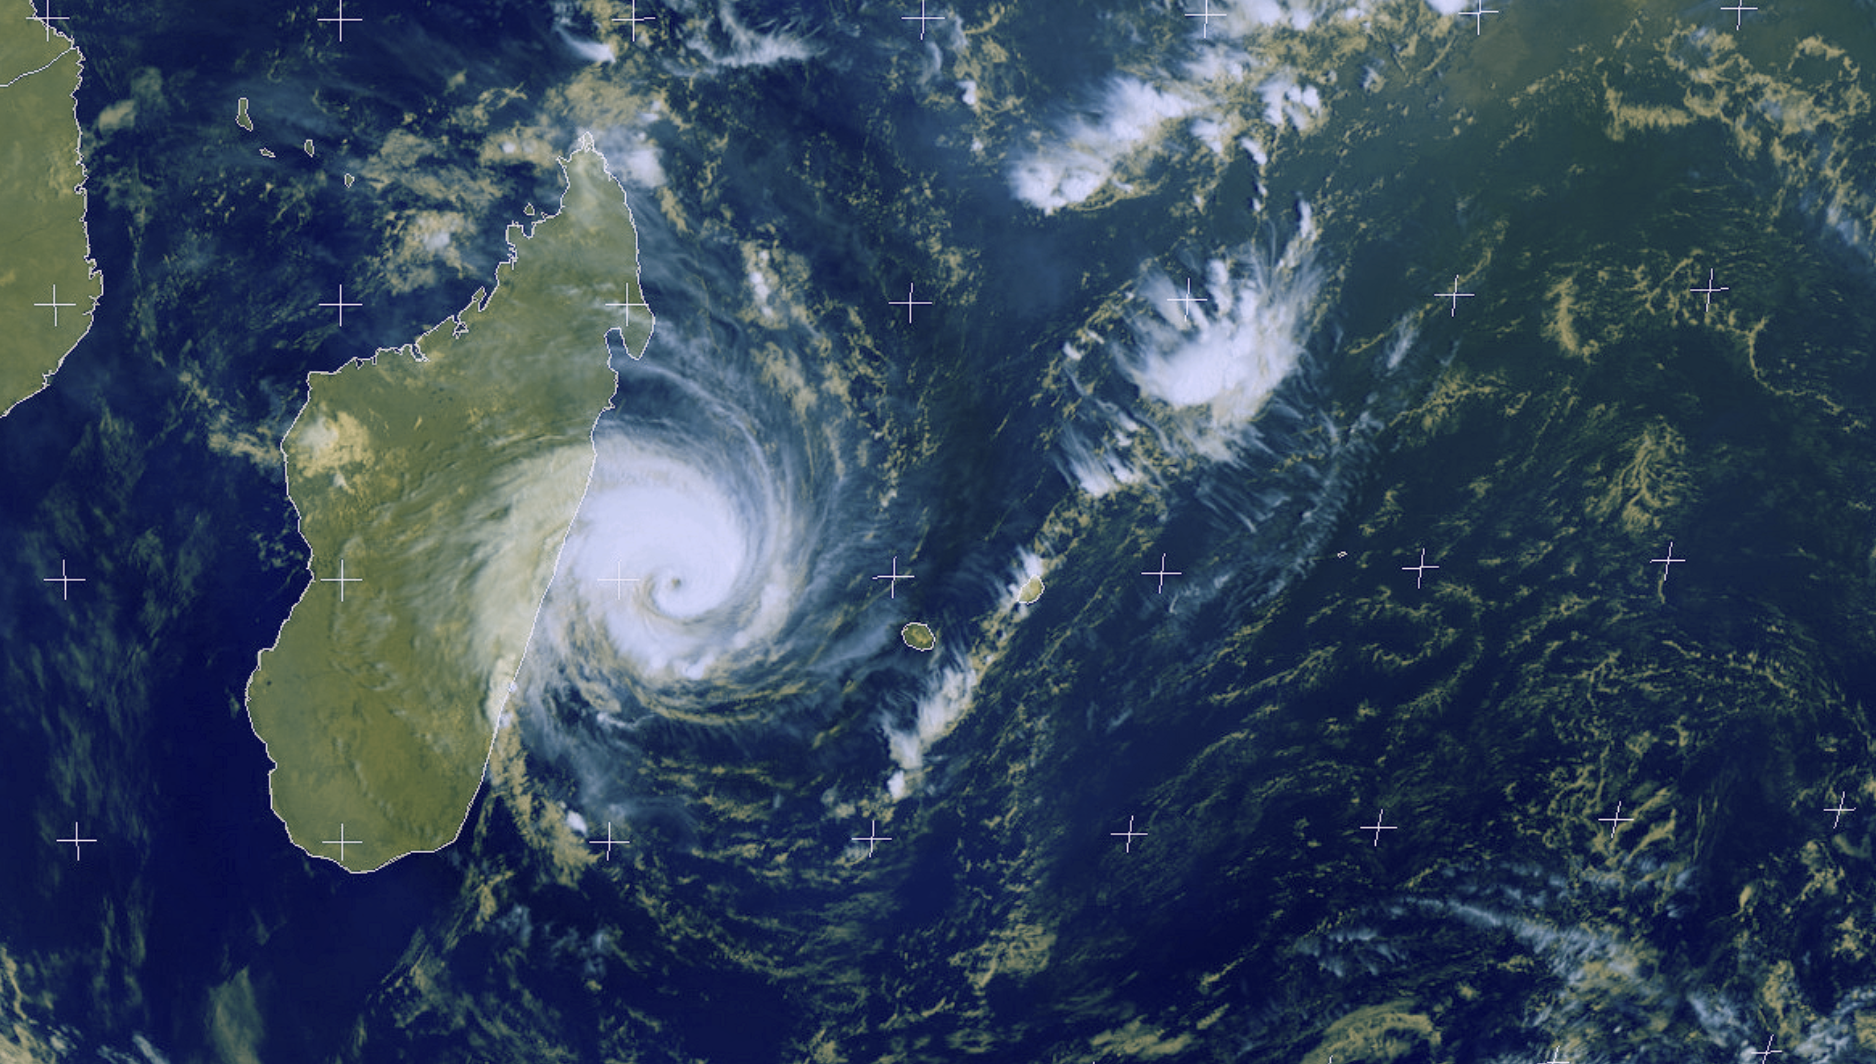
(444, 476)
(43, 229)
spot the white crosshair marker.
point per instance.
(47, 19)
(1378, 827)
(1162, 572)
(908, 302)
(342, 842)
(1419, 571)
(1738, 23)
(65, 582)
(1840, 809)
(341, 304)
(1130, 834)
(1456, 295)
(1709, 290)
(77, 843)
(1478, 20)
(620, 579)
(1554, 1059)
(635, 20)
(1766, 1052)
(341, 580)
(342, 20)
(628, 306)
(921, 18)
(1664, 563)
(892, 579)
(55, 305)
(1187, 299)
(1208, 16)
(608, 842)
(871, 838)
(1615, 821)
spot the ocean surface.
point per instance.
(1051, 177)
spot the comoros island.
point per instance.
(48, 284)
(435, 485)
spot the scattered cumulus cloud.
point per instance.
(1098, 468)
(1247, 15)
(1134, 117)
(632, 157)
(1220, 359)
(1087, 150)
(1286, 102)
(1210, 132)
(746, 47)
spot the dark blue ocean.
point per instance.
(1051, 177)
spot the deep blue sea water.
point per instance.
(1322, 421)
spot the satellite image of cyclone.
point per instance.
(832, 532)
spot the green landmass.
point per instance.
(444, 475)
(1030, 591)
(918, 637)
(43, 242)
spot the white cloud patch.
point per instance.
(632, 156)
(148, 1050)
(1216, 66)
(1249, 14)
(1098, 468)
(1210, 132)
(942, 705)
(591, 51)
(1087, 150)
(1132, 118)
(1401, 340)
(1217, 361)
(1286, 102)
(1227, 20)
(747, 47)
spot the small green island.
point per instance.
(435, 486)
(918, 637)
(1030, 591)
(49, 283)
